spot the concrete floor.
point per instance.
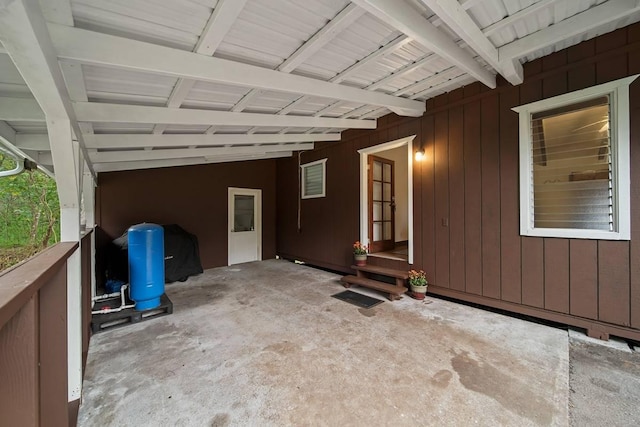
(265, 344)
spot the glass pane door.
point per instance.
(243, 213)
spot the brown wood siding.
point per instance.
(466, 199)
(510, 268)
(194, 197)
(473, 199)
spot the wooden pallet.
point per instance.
(363, 279)
(104, 322)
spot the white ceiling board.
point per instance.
(267, 32)
(28, 127)
(122, 128)
(128, 83)
(177, 23)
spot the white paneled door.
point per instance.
(245, 225)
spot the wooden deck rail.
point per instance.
(33, 340)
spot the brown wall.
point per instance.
(194, 197)
(470, 180)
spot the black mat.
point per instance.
(357, 299)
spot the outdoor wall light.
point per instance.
(419, 155)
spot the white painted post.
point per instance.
(66, 159)
(89, 197)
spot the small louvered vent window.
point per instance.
(574, 164)
(313, 179)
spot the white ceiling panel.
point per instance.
(389, 53)
(176, 23)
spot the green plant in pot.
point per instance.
(418, 282)
(360, 253)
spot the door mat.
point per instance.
(357, 299)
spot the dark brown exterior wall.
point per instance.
(194, 197)
(470, 178)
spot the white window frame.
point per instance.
(303, 189)
(618, 92)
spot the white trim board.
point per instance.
(364, 197)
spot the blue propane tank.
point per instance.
(146, 265)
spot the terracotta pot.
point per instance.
(418, 292)
(360, 259)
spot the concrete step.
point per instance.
(382, 271)
(393, 291)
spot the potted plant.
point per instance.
(360, 253)
(418, 283)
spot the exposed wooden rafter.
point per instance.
(404, 18)
(150, 164)
(454, 15)
(179, 153)
(594, 17)
(141, 141)
(102, 49)
(342, 20)
(24, 34)
(222, 18)
(118, 113)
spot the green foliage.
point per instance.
(29, 208)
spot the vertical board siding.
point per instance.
(532, 256)
(490, 169)
(634, 249)
(613, 282)
(473, 199)
(53, 351)
(556, 275)
(441, 162)
(195, 198)
(532, 259)
(456, 199)
(583, 278)
(466, 194)
(415, 128)
(19, 383)
(427, 217)
(510, 271)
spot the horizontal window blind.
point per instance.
(313, 179)
(571, 167)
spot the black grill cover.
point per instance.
(181, 256)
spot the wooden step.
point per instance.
(393, 291)
(372, 259)
(383, 271)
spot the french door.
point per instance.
(381, 204)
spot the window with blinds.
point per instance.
(574, 164)
(313, 179)
(571, 164)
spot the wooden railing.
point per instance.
(87, 271)
(33, 339)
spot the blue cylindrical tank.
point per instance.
(146, 265)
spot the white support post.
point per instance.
(66, 157)
(89, 197)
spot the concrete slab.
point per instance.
(614, 343)
(605, 385)
(265, 344)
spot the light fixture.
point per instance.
(419, 155)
